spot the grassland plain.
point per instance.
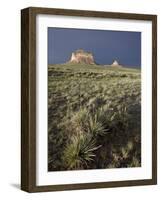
(94, 117)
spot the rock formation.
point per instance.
(82, 57)
(115, 64)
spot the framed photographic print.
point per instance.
(89, 99)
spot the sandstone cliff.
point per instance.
(82, 57)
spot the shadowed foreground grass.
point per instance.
(94, 117)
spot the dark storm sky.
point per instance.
(106, 46)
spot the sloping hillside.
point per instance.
(94, 115)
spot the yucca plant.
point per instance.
(80, 152)
(81, 116)
(78, 121)
(95, 126)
